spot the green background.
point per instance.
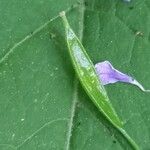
(38, 87)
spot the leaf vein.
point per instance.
(31, 35)
(73, 107)
(38, 130)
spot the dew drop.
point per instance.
(52, 74)
(35, 100)
(22, 119)
(56, 68)
(13, 135)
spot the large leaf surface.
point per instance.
(38, 86)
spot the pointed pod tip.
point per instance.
(62, 14)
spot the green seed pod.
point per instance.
(90, 81)
(88, 76)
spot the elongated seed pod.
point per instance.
(90, 80)
(88, 76)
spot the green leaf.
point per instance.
(42, 105)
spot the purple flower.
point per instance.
(109, 75)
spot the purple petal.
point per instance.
(108, 75)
